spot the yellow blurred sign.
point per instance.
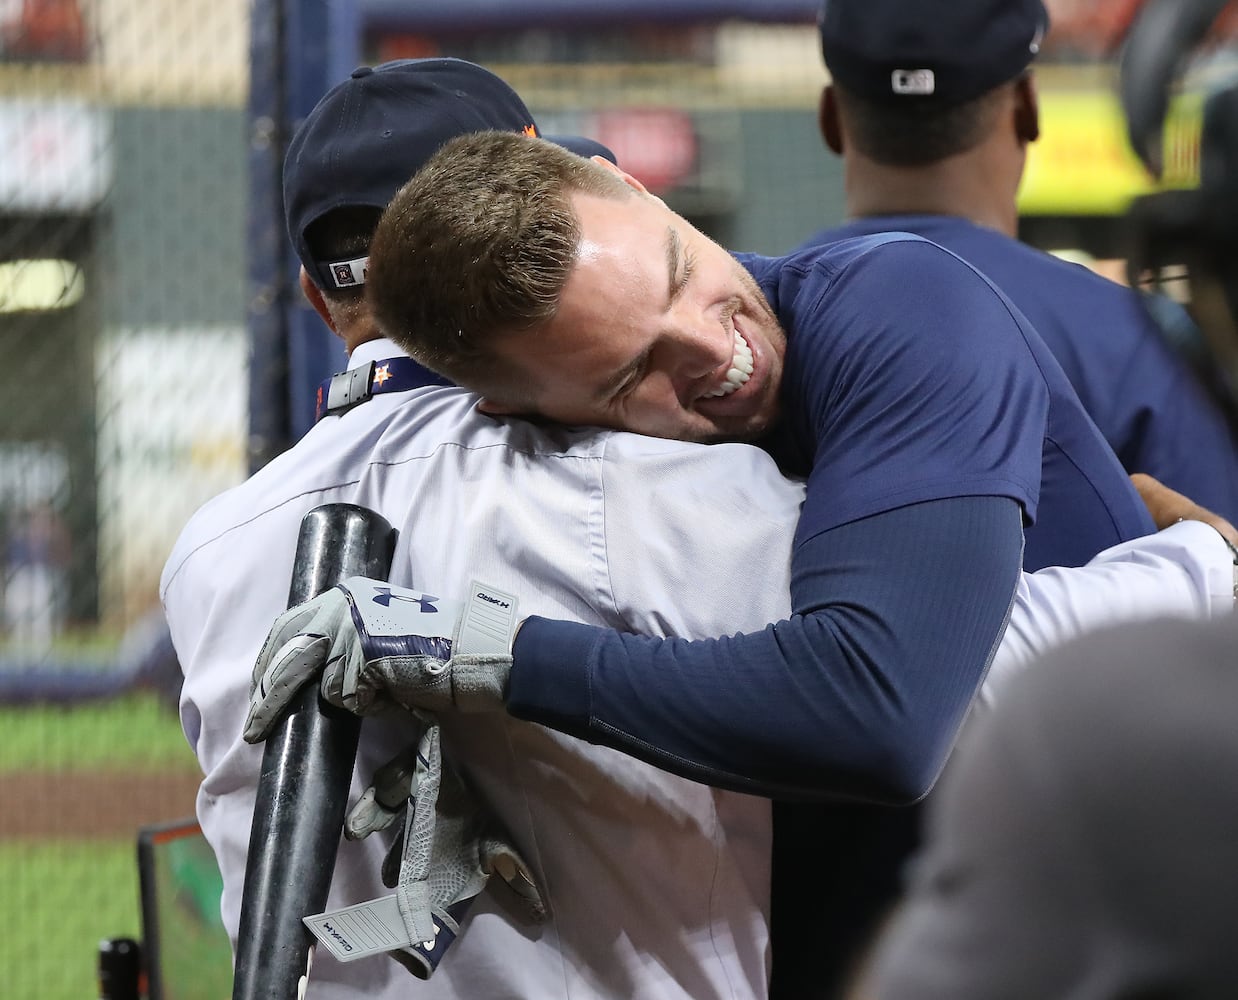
(1083, 164)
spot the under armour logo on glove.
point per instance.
(369, 644)
(385, 595)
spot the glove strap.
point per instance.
(431, 928)
(412, 891)
(422, 957)
(487, 624)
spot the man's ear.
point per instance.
(489, 406)
(827, 120)
(313, 295)
(627, 178)
(1026, 109)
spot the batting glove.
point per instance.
(375, 644)
(449, 847)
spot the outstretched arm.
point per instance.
(854, 718)
(857, 695)
(1185, 571)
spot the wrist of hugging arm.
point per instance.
(549, 678)
(1226, 537)
(1223, 528)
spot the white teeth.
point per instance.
(739, 372)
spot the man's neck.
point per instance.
(966, 187)
(358, 333)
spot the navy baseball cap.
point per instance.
(940, 51)
(371, 133)
(582, 145)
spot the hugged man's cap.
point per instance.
(371, 133)
(942, 52)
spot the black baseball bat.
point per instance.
(307, 766)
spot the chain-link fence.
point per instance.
(126, 227)
(122, 202)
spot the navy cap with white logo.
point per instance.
(942, 52)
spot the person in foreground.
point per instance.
(928, 417)
(937, 429)
(744, 604)
(1082, 841)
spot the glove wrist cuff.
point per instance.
(479, 681)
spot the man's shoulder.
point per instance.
(1043, 272)
(1016, 266)
(877, 283)
(843, 246)
(324, 464)
(803, 278)
(1069, 304)
(239, 516)
(944, 230)
(374, 454)
(981, 246)
(1052, 289)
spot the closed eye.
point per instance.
(689, 265)
(680, 282)
(628, 378)
(679, 264)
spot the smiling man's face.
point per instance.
(659, 331)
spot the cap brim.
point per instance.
(582, 146)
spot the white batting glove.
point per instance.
(448, 848)
(375, 644)
(385, 799)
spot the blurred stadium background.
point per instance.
(154, 349)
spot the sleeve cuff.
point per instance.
(1203, 552)
(552, 662)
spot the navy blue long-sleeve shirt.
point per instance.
(933, 421)
(1143, 397)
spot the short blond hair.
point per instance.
(477, 246)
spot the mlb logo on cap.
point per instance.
(939, 51)
(912, 81)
